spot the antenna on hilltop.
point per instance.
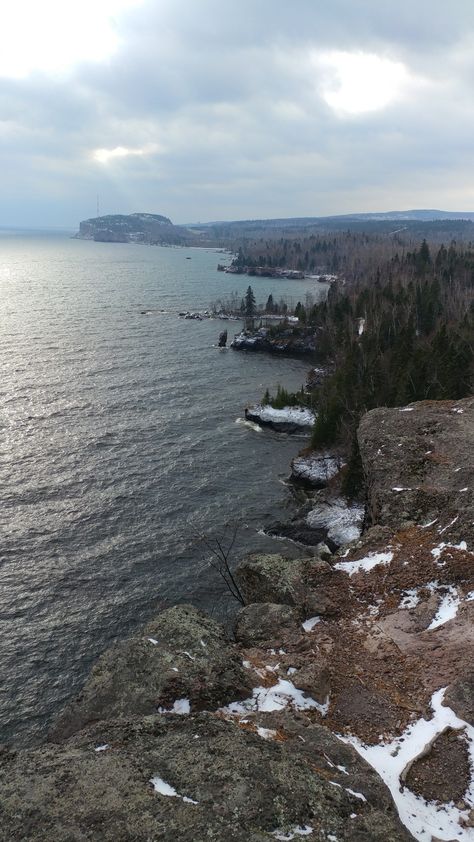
(98, 206)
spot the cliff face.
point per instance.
(345, 700)
(148, 228)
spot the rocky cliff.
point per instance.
(343, 709)
(148, 228)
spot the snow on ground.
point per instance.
(278, 697)
(448, 606)
(288, 415)
(447, 609)
(436, 551)
(317, 468)
(343, 522)
(365, 564)
(410, 598)
(422, 818)
(160, 786)
(309, 625)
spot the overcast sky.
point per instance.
(234, 109)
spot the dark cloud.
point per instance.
(226, 101)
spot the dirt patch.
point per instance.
(443, 774)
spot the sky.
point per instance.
(234, 109)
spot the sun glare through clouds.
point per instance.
(356, 83)
(52, 35)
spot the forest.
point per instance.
(403, 332)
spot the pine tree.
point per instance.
(249, 302)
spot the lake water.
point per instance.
(119, 445)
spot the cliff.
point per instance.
(343, 709)
(148, 228)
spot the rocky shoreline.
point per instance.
(343, 707)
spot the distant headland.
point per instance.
(147, 228)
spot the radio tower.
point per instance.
(98, 208)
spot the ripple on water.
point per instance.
(118, 448)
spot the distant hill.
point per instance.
(408, 225)
(155, 229)
(149, 228)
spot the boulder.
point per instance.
(418, 465)
(460, 697)
(182, 654)
(191, 778)
(266, 623)
(314, 679)
(278, 579)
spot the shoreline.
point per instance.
(323, 650)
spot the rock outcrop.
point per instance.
(149, 228)
(181, 655)
(289, 419)
(418, 461)
(338, 660)
(192, 779)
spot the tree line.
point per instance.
(404, 333)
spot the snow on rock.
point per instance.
(295, 831)
(181, 706)
(295, 415)
(266, 733)
(309, 625)
(422, 818)
(342, 522)
(160, 786)
(365, 564)
(278, 697)
(315, 468)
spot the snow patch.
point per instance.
(436, 551)
(102, 748)
(407, 409)
(152, 640)
(309, 625)
(160, 786)
(266, 733)
(419, 816)
(181, 707)
(447, 609)
(295, 831)
(358, 795)
(278, 697)
(365, 564)
(410, 598)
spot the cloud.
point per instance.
(211, 110)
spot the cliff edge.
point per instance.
(342, 710)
